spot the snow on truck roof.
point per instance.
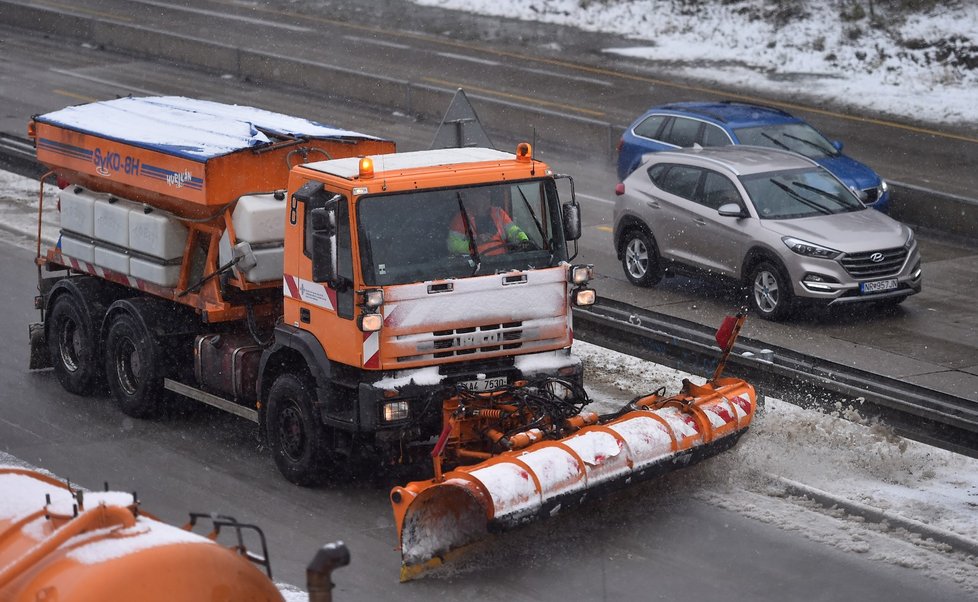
(349, 168)
(189, 128)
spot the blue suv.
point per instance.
(684, 124)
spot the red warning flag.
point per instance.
(726, 329)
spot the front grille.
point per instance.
(863, 265)
(478, 339)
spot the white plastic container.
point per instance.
(78, 210)
(269, 259)
(77, 249)
(112, 220)
(259, 218)
(156, 234)
(154, 271)
(113, 260)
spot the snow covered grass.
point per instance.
(919, 63)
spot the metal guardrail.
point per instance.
(919, 413)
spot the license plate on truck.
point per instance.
(878, 286)
(485, 384)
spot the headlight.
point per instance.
(909, 242)
(395, 411)
(809, 249)
(584, 296)
(883, 186)
(580, 274)
(370, 322)
(373, 298)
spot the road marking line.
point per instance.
(86, 11)
(578, 78)
(73, 95)
(107, 82)
(596, 199)
(604, 228)
(606, 72)
(378, 42)
(219, 15)
(526, 99)
(462, 57)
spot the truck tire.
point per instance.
(769, 292)
(295, 431)
(71, 343)
(133, 367)
(640, 259)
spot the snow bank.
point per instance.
(922, 65)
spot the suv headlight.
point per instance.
(909, 243)
(808, 249)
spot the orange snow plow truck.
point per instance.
(61, 543)
(353, 302)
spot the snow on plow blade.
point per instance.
(652, 436)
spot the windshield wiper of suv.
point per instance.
(803, 200)
(473, 249)
(824, 193)
(818, 147)
(776, 141)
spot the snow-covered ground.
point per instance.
(919, 64)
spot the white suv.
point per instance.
(774, 220)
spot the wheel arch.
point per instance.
(756, 255)
(292, 349)
(631, 222)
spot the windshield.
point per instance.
(798, 137)
(459, 232)
(799, 193)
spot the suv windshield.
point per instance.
(798, 137)
(424, 235)
(799, 193)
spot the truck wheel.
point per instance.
(72, 347)
(296, 433)
(640, 259)
(132, 367)
(769, 292)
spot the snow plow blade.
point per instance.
(652, 435)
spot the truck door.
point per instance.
(323, 309)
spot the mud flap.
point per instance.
(40, 358)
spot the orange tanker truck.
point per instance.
(59, 542)
(350, 300)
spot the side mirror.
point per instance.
(837, 145)
(731, 210)
(572, 221)
(324, 244)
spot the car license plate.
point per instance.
(485, 384)
(877, 286)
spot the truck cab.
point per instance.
(408, 275)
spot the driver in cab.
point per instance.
(492, 229)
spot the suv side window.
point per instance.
(682, 132)
(714, 136)
(657, 173)
(718, 190)
(682, 181)
(650, 127)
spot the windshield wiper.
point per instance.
(549, 242)
(803, 200)
(824, 193)
(473, 249)
(776, 141)
(818, 147)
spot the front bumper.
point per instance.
(838, 287)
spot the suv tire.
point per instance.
(640, 258)
(769, 292)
